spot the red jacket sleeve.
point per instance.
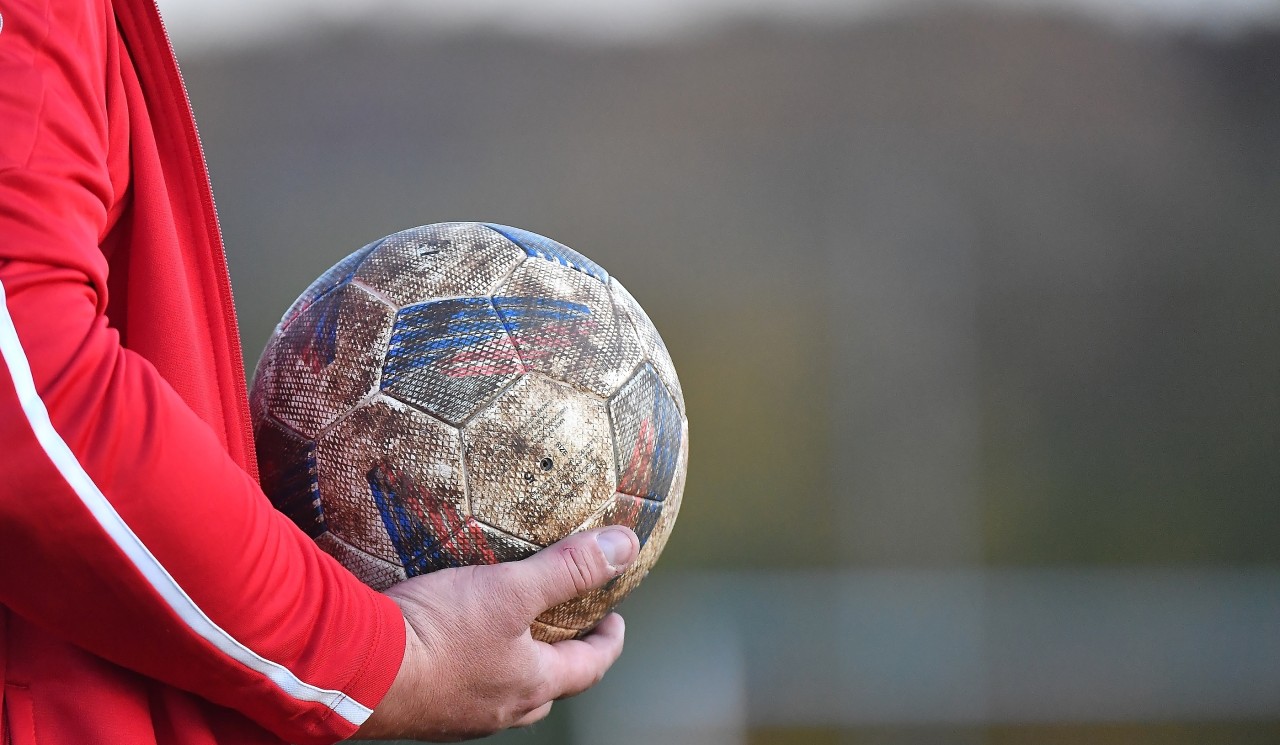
(124, 525)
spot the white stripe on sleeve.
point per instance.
(159, 578)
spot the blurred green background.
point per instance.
(976, 310)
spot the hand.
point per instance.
(472, 668)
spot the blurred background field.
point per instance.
(976, 307)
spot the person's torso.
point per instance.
(169, 297)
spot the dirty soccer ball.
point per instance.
(467, 393)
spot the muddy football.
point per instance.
(468, 393)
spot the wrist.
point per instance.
(391, 716)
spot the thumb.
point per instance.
(576, 565)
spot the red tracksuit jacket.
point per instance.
(148, 591)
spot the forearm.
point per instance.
(148, 546)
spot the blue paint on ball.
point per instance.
(428, 334)
(324, 342)
(647, 520)
(545, 248)
(413, 539)
(287, 467)
(525, 314)
(666, 447)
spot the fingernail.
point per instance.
(616, 545)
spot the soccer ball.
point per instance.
(467, 393)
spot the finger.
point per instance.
(576, 665)
(574, 566)
(537, 715)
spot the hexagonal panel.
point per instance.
(564, 324)
(391, 482)
(449, 357)
(287, 471)
(651, 343)
(539, 460)
(570, 619)
(647, 432)
(542, 247)
(370, 570)
(439, 261)
(326, 359)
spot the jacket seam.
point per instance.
(378, 634)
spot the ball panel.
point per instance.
(647, 432)
(449, 357)
(287, 472)
(538, 460)
(584, 612)
(542, 247)
(651, 343)
(477, 543)
(646, 518)
(417, 522)
(327, 359)
(439, 261)
(564, 324)
(370, 570)
(392, 480)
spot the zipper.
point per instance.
(219, 254)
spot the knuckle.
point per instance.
(528, 702)
(578, 567)
(523, 704)
(595, 676)
(495, 580)
(541, 692)
(505, 597)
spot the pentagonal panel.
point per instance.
(647, 430)
(477, 543)
(391, 482)
(564, 324)
(570, 619)
(264, 376)
(542, 247)
(327, 359)
(650, 342)
(370, 570)
(287, 471)
(438, 261)
(539, 460)
(449, 357)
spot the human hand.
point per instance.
(471, 666)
